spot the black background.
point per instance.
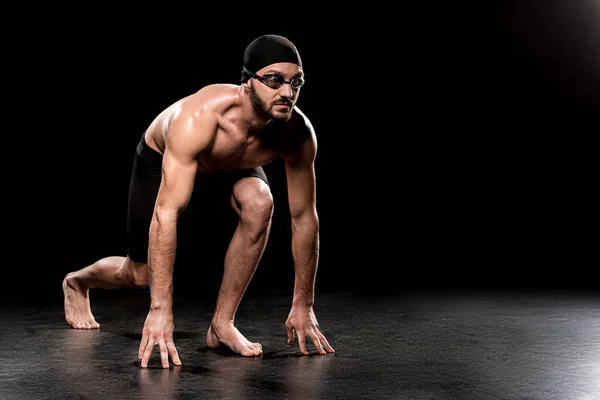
(454, 142)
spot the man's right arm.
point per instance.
(188, 137)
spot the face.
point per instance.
(277, 102)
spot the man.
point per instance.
(221, 133)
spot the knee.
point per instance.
(135, 273)
(257, 212)
(256, 208)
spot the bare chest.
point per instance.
(236, 150)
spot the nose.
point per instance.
(287, 91)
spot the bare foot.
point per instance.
(77, 305)
(228, 335)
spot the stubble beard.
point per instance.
(262, 106)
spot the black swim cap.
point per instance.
(269, 49)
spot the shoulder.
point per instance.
(302, 136)
(301, 126)
(196, 118)
(213, 99)
(301, 121)
(203, 108)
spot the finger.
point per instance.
(325, 343)
(317, 343)
(302, 342)
(290, 334)
(173, 352)
(164, 354)
(147, 353)
(143, 344)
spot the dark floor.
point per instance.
(517, 344)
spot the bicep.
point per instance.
(178, 176)
(188, 137)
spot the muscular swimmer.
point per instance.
(225, 132)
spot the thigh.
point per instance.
(238, 183)
(251, 190)
(258, 172)
(143, 189)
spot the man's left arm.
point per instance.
(300, 172)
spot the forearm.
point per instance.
(305, 252)
(161, 260)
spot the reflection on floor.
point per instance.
(421, 345)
